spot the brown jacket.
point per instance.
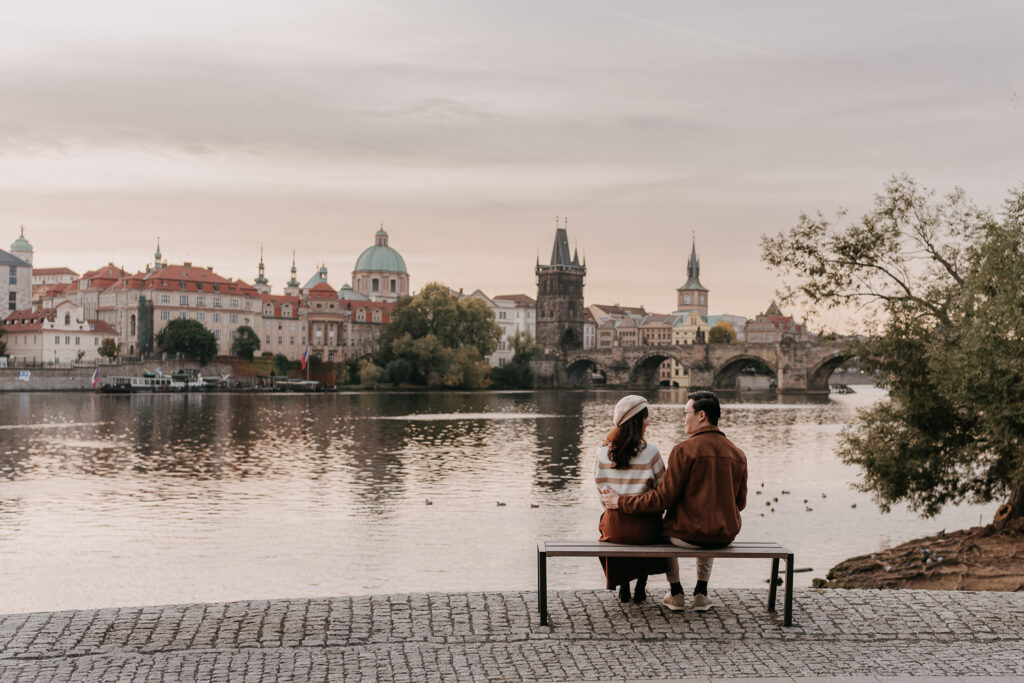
(703, 490)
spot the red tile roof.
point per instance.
(63, 270)
(517, 298)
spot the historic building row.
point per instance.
(133, 308)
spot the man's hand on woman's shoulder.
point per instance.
(609, 498)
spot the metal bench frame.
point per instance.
(740, 549)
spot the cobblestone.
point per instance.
(495, 636)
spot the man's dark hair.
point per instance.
(706, 401)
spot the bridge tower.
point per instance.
(693, 296)
(560, 298)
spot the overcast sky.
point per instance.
(466, 127)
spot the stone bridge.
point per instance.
(797, 366)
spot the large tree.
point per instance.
(189, 338)
(441, 335)
(246, 343)
(940, 282)
(3, 344)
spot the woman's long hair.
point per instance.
(626, 440)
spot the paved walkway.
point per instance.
(495, 636)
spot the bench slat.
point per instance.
(742, 549)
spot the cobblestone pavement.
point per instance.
(496, 636)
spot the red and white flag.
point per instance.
(96, 377)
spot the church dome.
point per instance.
(21, 244)
(380, 258)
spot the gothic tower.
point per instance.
(560, 298)
(693, 296)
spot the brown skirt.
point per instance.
(618, 527)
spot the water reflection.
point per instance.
(109, 500)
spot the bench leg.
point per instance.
(772, 579)
(542, 587)
(787, 619)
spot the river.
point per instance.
(155, 499)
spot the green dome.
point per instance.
(380, 257)
(21, 244)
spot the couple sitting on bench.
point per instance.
(703, 490)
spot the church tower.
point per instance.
(693, 296)
(22, 249)
(292, 287)
(261, 284)
(560, 297)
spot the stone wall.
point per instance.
(80, 378)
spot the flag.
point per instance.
(305, 358)
(96, 377)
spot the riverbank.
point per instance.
(984, 558)
(495, 636)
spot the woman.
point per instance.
(628, 464)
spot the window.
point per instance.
(216, 333)
(216, 317)
(183, 315)
(67, 339)
(165, 298)
(279, 342)
(216, 301)
(67, 318)
(268, 325)
(12, 301)
(293, 326)
(78, 341)
(686, 298)
(233, 319)
(291, 340)
(268, 339)
(376, 316)
(361, 315)
(56, 339)
(95, 341)
(233, 303)
(165, 315)
(201, 317)
(183, 300)
(375, 284)
(702, 298)
(12, 275)
(200, 301)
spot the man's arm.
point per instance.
(665, 493)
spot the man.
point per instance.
(703, 491)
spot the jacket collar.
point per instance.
(709, 429)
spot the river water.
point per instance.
(153, 499)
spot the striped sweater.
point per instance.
(644, 472)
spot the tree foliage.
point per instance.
(443, 337)
(722, 333)
(109, 348)
(3, 344)
(189, 338)
(281, 364)
(941, 279)
(518, 373)
(246, 343)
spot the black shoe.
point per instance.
(640, 592)
(624, 593)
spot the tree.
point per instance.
(369, 373)
(109, 348)
(943, 279)
(518, 373)
(246, 343)
(189, 338)
(3, 344)
(281, 364)
(722, 333)
(431, 329)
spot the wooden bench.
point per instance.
(754, 549)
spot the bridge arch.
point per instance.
(581, 371)
(727, 371)
(645, 370)
(817, 378)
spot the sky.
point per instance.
(467, 127)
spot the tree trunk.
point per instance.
(1013, 508)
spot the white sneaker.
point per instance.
(676, 603)
(701, 603)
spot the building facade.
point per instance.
(60, 335)
(771, 327)
(514, 313)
